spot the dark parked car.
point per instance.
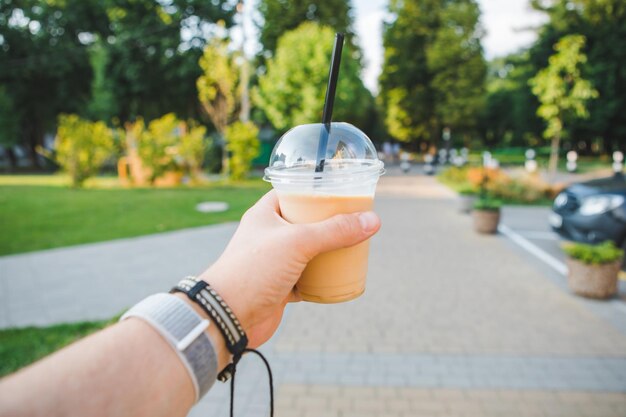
(592, 212)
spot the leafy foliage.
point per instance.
(496, 184)
(45, 67)
(280, 16)
(487, 204)
(217, 86)
(82, 147)
(243, 144)
(292, 91)
(594, 254)
(602, 24)
(154, 49)
(102, 105)
(442, 83)
(562, 90)
(169, 144)
(9, 127)
(509, 117)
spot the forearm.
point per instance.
(126, 369)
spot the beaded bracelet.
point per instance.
(218, 311)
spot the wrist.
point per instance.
(223, 355)
(233, 296)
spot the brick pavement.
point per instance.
(299, 400)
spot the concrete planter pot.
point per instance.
(486, 221)
(593, 281)
(466, 202)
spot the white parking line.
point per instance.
(531, 234)
(550, 260)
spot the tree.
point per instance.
(217, 86)
(9, 128)
(292, 91)
(102, 104)
(457, 66)
(82, 147)
(243, 144)
(217, 89)
(562, 91)
(434, 71)
(510, 114)
(43, 63)
(602, 24)
(280, 16)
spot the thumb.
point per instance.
(340, 231)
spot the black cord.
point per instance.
(232, 382)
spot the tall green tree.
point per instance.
(434, 71)
(44, 64)
(102, 104)
(562, 91)
(510, 114)
(280, 16)
(9, 128)
(217, 85)
(293, 89)
(603, 25)
(217, 90)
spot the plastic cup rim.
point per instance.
(366, 168)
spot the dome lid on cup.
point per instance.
(349, 151)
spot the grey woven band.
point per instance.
(177, 322)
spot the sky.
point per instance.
(506, 23)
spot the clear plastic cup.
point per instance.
(346, 185)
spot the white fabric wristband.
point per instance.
(184, 329)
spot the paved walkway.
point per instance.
(451, 324)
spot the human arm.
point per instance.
(129, 369)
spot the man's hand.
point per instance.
(257, 272)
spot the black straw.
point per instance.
(329, 101)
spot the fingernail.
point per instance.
(368, 221)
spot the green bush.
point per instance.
(455, 177)
(603, 253)
(242, 141)
(487, 204)
(169, 144)
(192, 148)
(468, 189)
(82, 147)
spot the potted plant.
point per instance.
(467, 197)
(593, 269)
(486, 215)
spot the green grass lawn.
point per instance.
(21, 347)
(41, 212)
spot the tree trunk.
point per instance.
(11, 157)
(33, 135)
(554, 156)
